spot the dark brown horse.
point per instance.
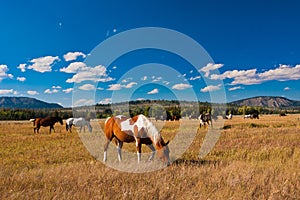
(49, 121)
(138, 129)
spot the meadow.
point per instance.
(253, 159)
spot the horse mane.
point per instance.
(152, 131)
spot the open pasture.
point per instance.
(253, 159)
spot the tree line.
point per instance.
(156, 108)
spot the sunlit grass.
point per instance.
(253, 159)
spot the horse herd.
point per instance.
(120, 129)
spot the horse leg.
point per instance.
(152, 153)
(138, 148)
(119, 148)
(51, 127)
(105, 149)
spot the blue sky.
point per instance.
(255, 47)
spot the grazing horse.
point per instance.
(205, 118)
(49, 121)
(138, 129)
(79, 122)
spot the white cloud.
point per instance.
(56, 87)
(251, 76)
(43, 64)
(210, 67)
(181, 86)
(156, 79)
(32, 92)
(106, 101)
(3, 73)
(211, 88)
(73, 56)
(130, 85)
(195, 78)
(126, 80)
(22, 67)
(87, 87)
(74, 67)
(5, 91)
(282, 73)
(68, 90)
(144, 78)
(235, 88)
(115, 87)
(84, 102)
(154, 91)
(21, 79)
(287, 88)
(49, 91)
(96, 74)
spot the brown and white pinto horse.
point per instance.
(138, 129)
(49, 121)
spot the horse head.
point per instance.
(164, 153)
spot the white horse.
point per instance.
(78, 122)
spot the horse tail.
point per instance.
(32, 120)
(106, 120)
(108, 127)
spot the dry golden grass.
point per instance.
(253, 159)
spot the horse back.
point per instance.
(113, 128)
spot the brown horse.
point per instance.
(137, 129)
(49, 121)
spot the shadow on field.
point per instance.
(195, 162)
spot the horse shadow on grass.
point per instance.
(194, 162)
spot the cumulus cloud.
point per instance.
(105, 101)
(181, 86)
(211, 88)
(113, 87)
(282, 73)
(22, 67)
(49, 91)
(87, 87)
(235, 88)
(32, 92)
(8, 91)
(154, 91)
(43, 64)
(130, 85)
(84, 102)
(73, 56)
(251, 76)
(68, 90)
(286, 88)
(56, 87)
(195, 78)
(74, 67)
(96, 74)
(3, 73)
(21, 79)
(210, 67)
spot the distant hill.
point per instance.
(267, 101)
(25, 102)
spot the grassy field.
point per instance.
(253, 159)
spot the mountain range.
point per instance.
(25, 102)
(267, 101)
(262, 101)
